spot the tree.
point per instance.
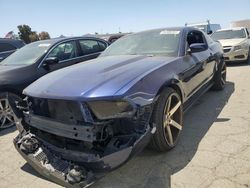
(24, 33)
(33, 37)
(44, 35)
(27, 35)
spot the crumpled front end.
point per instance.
(75, 143)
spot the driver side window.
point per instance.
(64, 51)
(195, 37)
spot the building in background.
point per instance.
(11, 35)
(241, 23)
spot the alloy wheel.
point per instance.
(172, 120)
(7, 116)
(223, 74)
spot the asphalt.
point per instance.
(213, 151)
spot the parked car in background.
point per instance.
(112, 37)
(8, 46)
(79, 127)
(108, 37)
(37, 59)
(207, 27)
(235, 42)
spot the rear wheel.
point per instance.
(7, 116)
(168, 119)
(220, 77)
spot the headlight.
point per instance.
(111, 109)
(238, 47)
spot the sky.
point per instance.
(78, 17)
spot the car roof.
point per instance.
(54, 41)
(183, 28)
(61, 39)
(15, 42)
(196, 24)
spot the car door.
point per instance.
(213, 56)
(90, 48)
(66, 53)
(198, 65)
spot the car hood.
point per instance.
(8, 72)
(231, 42)
(98, 78)
(6, 68)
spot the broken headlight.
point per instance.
(111, 109)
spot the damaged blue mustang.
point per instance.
(85, 120)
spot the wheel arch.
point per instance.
(11, 90)
(174, 84)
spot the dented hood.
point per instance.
(101, 77)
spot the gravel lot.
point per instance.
(214, 149)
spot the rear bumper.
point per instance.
(52, 164)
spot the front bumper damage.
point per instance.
(51, 166)
(75, 155)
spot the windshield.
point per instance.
(157, 43)
(28, 54)
(229, 34)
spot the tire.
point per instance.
(220, 77)
(7, 115)
(168, 119)
(248, 59)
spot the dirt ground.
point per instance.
(213, 151)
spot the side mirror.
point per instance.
(209, 32)
(50, 61)
(197, 47)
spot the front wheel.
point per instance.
(7, 116)
(248, 59)
(168, 120)
(220, 77)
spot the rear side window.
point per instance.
(6, 47)
(91, 46)
(195, 37)
(102, 45)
